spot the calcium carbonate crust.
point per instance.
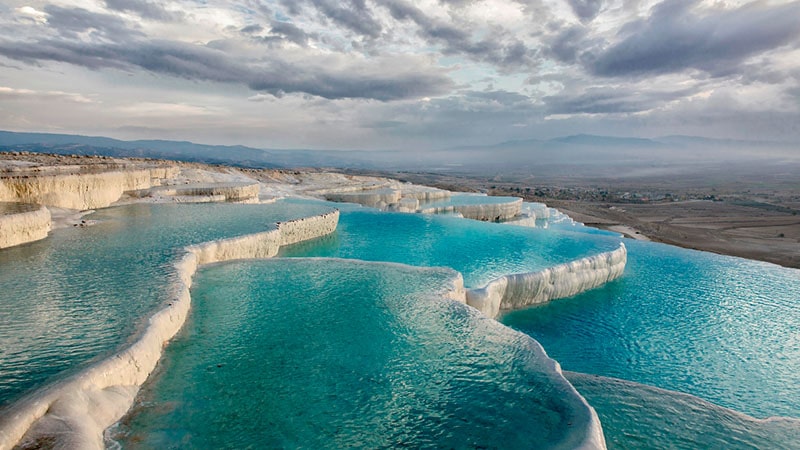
(24, 227)
(521, 290)
(489, 212)
(79, 191)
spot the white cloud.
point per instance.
(161, 110)
(21, 94)
(32, 14)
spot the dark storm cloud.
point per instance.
(145, 9)
(194, 62)
(612, 100)
(354, 15)
(250, 29)
(279, 32)
(568, 44)
(70, 21)
(586, 10)
(290, 32)
(260, 7)
(676, 37)
(500, 50)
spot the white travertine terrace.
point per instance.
(73, 413)
(522, 221)
(24, 226)
(376, 198)
(396, 197)
(408, 197)
(229, 192)
(492, 212)
(80, 191)
(565, 280)
(71, 187)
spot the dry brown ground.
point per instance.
(718, 227)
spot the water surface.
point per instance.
(82, 292)
(340, 354)
(481, 251)
(636, 416)
(721, 328)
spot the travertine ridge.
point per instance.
(565, 280)
(80, 190)
(25, 226)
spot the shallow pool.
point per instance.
(481, 251)
(323, 353)
(82, 292)
(722, 328)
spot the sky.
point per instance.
(395, 74)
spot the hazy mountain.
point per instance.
(577, 155)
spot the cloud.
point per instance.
(678, 35)
(354, 15)
(70, 22)
(161, 109)
(279, 33)
(9, 93)
(614, 100)
(586, 10)
(334, 77)
(569, 43)
(260, 98)
(466, 116)
(145, 9)
(290, 32)
(32, 14)
(389, 72)
(496, 47)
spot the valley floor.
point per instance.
(718, 227)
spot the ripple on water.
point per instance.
(75, 296)
(636, 416)
(721, 328)
(335, 353)
(480, 251)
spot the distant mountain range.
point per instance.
(237, 155)
(569, 154)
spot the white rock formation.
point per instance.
(524, 289)
(406, 205)
(492, 212)
(73, 413)
(229, 192)
(24, 226)
(424, 193)
(376, 198)
(529, 214)
(75, 191)
(522, 221)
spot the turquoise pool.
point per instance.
(339, 354)
(481, 251)
(724, 329)
(321, 352)
(82, 292)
